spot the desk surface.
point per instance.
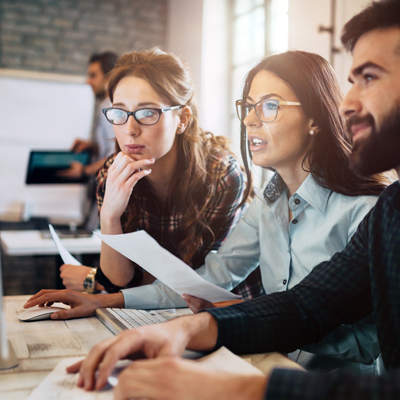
(41, 345)
(30, 243)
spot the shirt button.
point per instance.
(297, 201)
(284, 281)
(294, 221)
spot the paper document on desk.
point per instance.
(59, 385)
(142, 249)
(223, 360)
(64, 253)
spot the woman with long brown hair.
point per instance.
(312, 205)
(180, 184)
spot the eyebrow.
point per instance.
(139, 105)
(358, 71)
(266, 96)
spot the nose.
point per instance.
(132, 127)
(351, 103)
(252, 119)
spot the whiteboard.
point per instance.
(40, 113)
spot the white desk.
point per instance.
(30, 243)
(41, 345)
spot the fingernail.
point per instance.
(147, 171)
(184, 296)
(151, 160)
(54, 316)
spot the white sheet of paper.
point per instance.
(223, 360)
(59, 385)
(64, 253)
(142, 249)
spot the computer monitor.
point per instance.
(44, 167)
(8, 359)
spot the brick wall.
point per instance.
(59, 35)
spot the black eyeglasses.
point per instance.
(144, 116)
(266, 110)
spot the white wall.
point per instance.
(305, 16)
(41, 112)
(197, 31)
(184, 34)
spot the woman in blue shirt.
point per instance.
(308, 210)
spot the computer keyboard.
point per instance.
(136, 318)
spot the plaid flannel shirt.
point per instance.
(165, 225)
(364, 277)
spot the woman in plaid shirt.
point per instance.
(168, 177)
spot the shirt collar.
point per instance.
(314, 194)
(310, 191)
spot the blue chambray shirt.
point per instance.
(286, 252)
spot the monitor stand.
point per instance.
(9, 359)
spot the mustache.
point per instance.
(355, 119)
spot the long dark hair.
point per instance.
(193, 185)
(314, 83)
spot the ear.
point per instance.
(313, 128)
(184, 118)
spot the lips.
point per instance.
(134, 148)
(256, 143)
(359, 130)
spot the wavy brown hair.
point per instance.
(193, 186)
(314, 83)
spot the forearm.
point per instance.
(111, 300)
(116, 267)
(201, 331)
(153, 296)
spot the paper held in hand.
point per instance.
(64, 253)
(142, 249)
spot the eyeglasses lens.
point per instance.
(147, 116)
(266, 110)
(115, 116)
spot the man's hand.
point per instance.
(75, 171)
(196, 304)
(171, 378)
(73, 276)
(197, 332)
(82, 304)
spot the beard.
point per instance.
(380, 151)
(101, 94)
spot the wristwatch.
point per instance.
(89, 283)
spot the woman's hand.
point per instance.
(73, 276)
(123, 175)
(196, 304)
(82, 305)
(171, 378)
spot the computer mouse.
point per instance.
(38, 313)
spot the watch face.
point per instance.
(88, 283)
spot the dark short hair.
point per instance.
(107, 60)
(380, 14)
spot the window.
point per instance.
(259, 28)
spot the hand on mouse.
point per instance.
(82, 304)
